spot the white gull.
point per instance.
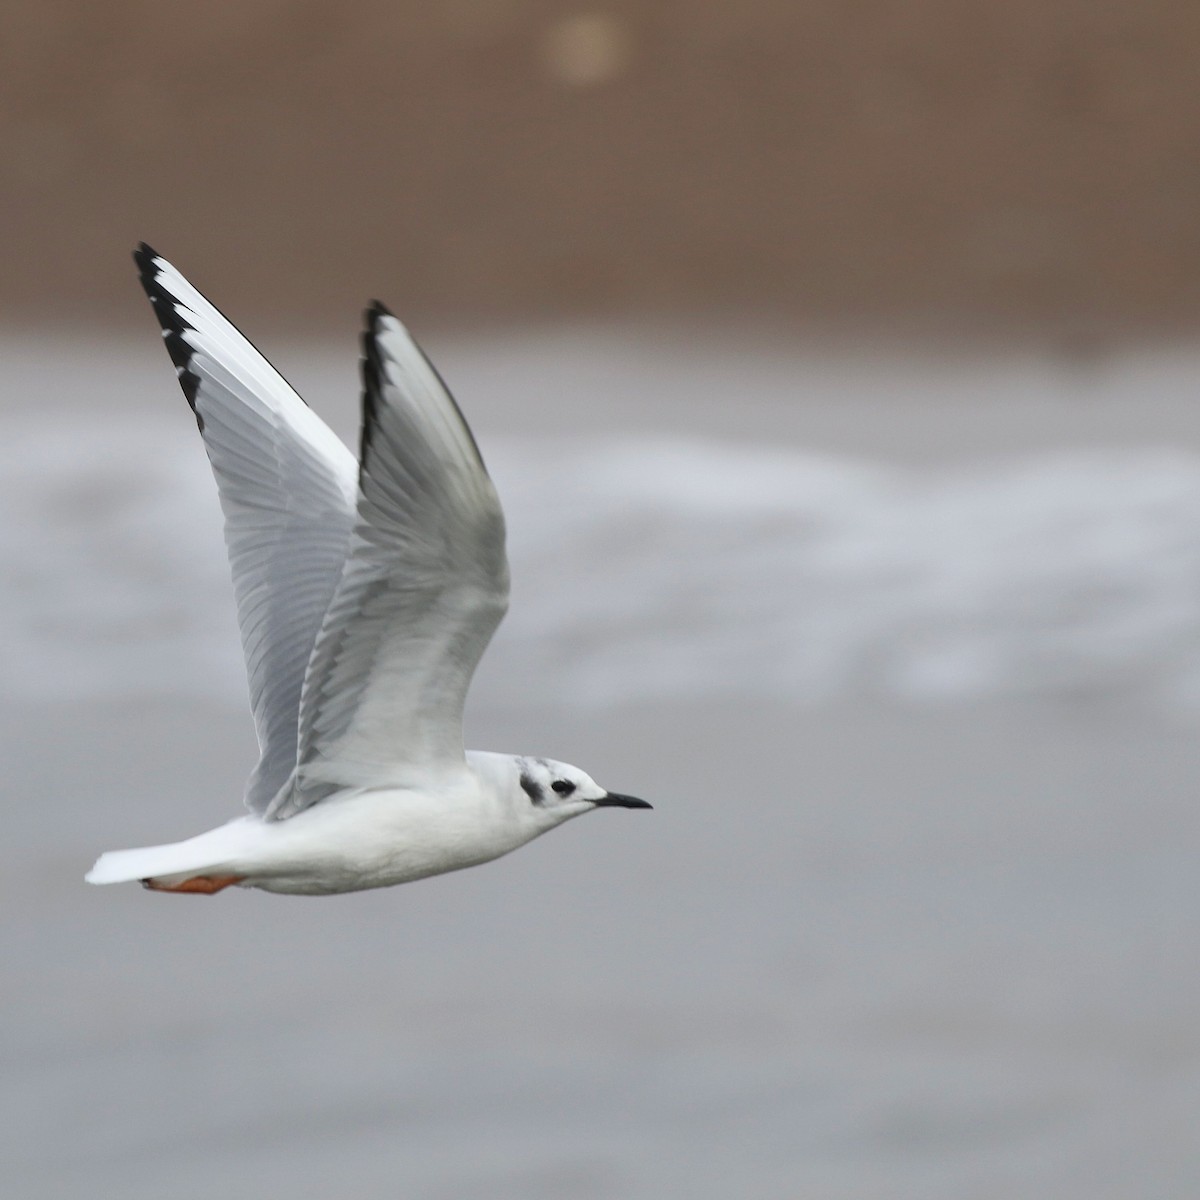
(366, 595)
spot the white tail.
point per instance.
(122, 866)
(209, 852)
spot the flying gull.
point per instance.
(366, 594)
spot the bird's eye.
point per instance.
(564, 787)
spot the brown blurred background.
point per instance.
(1031, 166)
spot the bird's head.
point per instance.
(557, 791)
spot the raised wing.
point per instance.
(423, 589)
(287, 487)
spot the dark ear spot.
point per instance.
(532, 788)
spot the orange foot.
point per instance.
(201, 885)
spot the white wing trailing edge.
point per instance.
(287, 486)
(423, 589)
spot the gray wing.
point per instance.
(287, 487)
(424, 586)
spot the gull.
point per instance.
(366, 594)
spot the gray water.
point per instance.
(913, 685)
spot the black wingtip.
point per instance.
(143, 259)
(146, 259)
(171, 322)
(375, 310)
(371, 378)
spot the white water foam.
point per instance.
(653, 567)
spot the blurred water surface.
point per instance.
(913, 685)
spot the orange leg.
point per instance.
(201, 885)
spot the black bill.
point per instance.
(616, 800)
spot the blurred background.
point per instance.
(1030, 166)
(837, 365)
